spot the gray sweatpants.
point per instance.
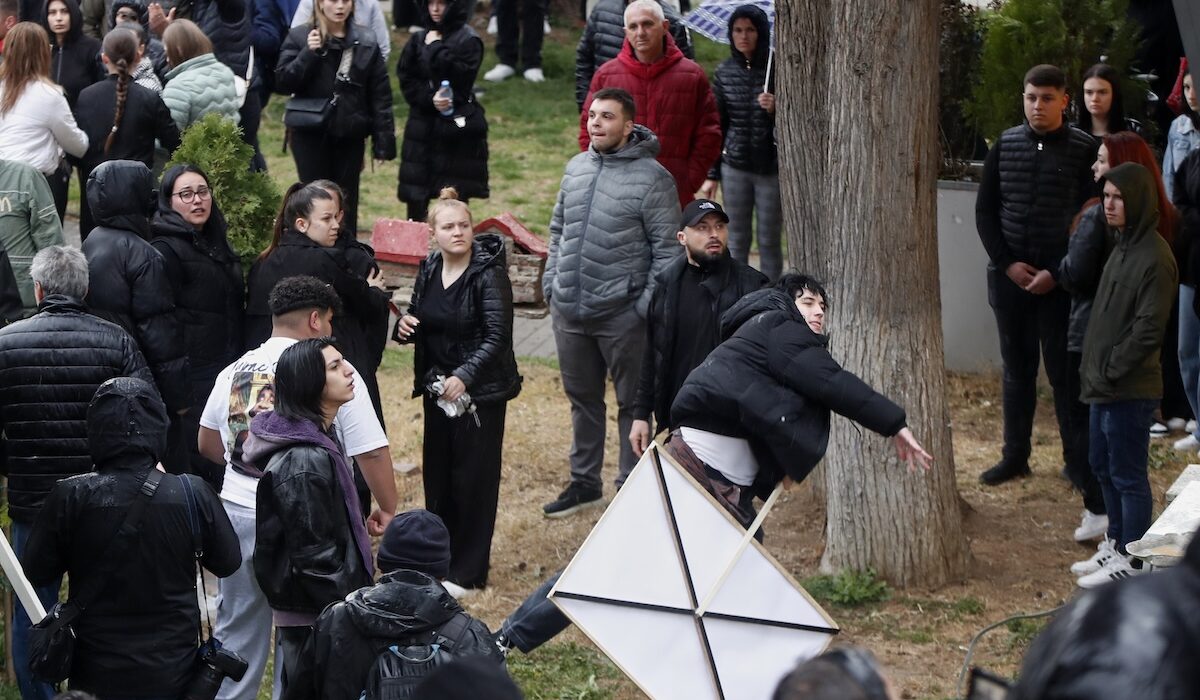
(747, 194)
(243, 616)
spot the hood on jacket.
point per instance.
(121, 194)
(753, 304)
(1139, 192)
(671, 56)
(168, 222)
(271, 432)
(763, 48)
(126, 422)
(137, 6)
(402, 603)
(75, 31)
(453, 17)
(642, 143)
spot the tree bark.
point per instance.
(857, 130)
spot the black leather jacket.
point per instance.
(483, 329)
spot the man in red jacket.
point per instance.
(672, 95)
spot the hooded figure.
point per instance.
(439, 150)
(138, 636)
(127, 280)
(75, 60)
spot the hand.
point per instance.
(375, 279)
(767, 101)
(1042, 283)
(639, 436)
(314, 40)
(910, 451)
(709, 189)
(407, 326)
(1021, 273)
(158, 20)
(441, 103)
(431, 36)
(454, 388)
(787, 483)
(378, 522)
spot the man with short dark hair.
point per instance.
(301, 307)
(683, 324)
(51, 365)
(1035, 179)
(611, 235)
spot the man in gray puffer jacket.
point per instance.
(613, 231)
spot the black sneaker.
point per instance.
(1004, 471)
(573, 499)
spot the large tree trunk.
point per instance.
(857, 127)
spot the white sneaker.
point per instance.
(493, 27)
(535, 75)
(1177, 424)
(1091, 526)
(1117, 569)
(499, 73)
(458, 592)
(1187, 444)
(1158, 430)
(1104, 554)
(1191, 426)
(545, 26)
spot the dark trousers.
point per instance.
(323, 158)
(519, 23)
(183, 451)
(60, 186)
(462, 484)
(419, 211)
(1174, 401)
(1120, 453)
(1026, 322)
(1079, 469)
(250, 115)
(537, 620)
(292, 644)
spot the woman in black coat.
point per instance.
(121, 118)
(74, 56)
(460, 320)
(310, 67)
(205, 273)
(439, 149)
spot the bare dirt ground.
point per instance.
(1020, 532)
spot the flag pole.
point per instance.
(754, 526)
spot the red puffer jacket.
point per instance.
(674, 101)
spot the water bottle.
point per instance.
(445, 92)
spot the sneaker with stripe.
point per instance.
(1104, 554)
(1117, 569)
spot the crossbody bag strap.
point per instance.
(120, 544)
(197, 547)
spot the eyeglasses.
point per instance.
(187, 196)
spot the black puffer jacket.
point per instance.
(483, 329)
(605, 34)
(1138, 638)
(1032, 187)
(726, 282)
(1079, 273)
(749, 129)
(226, 23)
(350, 634)
(127, 280)
(206, 278)
(1187, 200)
(774, 384)
(437, 151)
(75, 63)
(50, 366)
(364, 103)
(138, 638)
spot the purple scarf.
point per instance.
(271, 432)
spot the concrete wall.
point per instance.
(971, 341)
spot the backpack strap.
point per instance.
(453, 630)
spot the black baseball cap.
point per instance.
(697, 209)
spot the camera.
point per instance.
(214, 665)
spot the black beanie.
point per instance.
(416, 540)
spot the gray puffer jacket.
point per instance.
(612, 232)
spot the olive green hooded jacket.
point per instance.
(1129, 317)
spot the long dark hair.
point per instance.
(300, 380)
(298, 203)
(121, 47)
(1116, 112)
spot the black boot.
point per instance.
(1004, 471)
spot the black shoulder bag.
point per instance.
(52, 639)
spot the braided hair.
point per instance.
(121, 48)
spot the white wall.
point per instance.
(971, 341)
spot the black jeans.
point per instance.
(319, 157)
(519, 22)
(292, 645)
(1026, 322)
(1079, 468)
(60, 186)
(462, 484)
(250, 115)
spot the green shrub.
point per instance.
(959, 51)
(1071, 34)
(848, 589)
(248, 199)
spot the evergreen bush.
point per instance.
(248, 199)
(959, 52)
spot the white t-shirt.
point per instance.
(246, 388)
(729, 455)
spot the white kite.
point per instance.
(677, 593)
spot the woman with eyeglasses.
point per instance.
(205, 273)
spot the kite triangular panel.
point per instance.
(660, 651)
(757, 588)
(751, 658)
(631, 554)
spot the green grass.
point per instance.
(848, 589)
(559, 671)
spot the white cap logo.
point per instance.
(707, 205)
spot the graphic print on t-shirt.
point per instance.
(251, 391)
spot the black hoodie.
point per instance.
(749, 129)
(75, 63)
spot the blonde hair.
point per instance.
(26, 60)
(448, 197)
(321, 21)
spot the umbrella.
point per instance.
(711, 19)
(682, 599)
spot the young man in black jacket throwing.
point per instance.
(1035, 179)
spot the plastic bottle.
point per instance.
(445, 92)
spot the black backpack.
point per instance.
(404, 663)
